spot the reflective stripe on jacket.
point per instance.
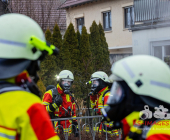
(62, 111)
(97, 102)
(129, 121)
(159, 131)
(23, 117)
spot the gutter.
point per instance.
(78, 4)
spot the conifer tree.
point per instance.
(73, 47)
(96, 48)
(48, 35)
(85, 59)
(57, 41)
(41, 86)
(106, 62)
(71, 38)
(78, 37)
(48, 65)
(65, 50)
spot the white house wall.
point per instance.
(143, 39)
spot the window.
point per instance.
(129, 16)
(80, 24)
(107, 21)
(162, 52)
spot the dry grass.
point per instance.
(88, 136)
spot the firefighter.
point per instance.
(128, 121)
(62, 105)
(99, 95)
(141, 81)
(50, 87)
(22, 45)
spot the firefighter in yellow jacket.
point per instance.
(141, 84)
(99, 95)
(22, 45)
(60, 102)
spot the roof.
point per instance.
(45, 13)
(72, 3)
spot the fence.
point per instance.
(88, 126)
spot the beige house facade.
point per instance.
(115, 16)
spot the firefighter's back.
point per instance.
(20, 115)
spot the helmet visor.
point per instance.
(66, 82)
(95, 82)
(116, 94)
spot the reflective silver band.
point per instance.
(11, 89)
(160, 84)
(127, 68)
(7, 136)
(12, 43)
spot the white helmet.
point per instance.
(66, 74)
(100, 75)
(138, 80)
(99, 80)
(65, 80)
(145, 75)
(16, 32)
(21, 41)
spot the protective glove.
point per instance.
(57, 101)
(75, 131)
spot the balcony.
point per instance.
(151, 14)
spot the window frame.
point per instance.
(161, 44)
(109, 20)
(78, 24)
(132, 22)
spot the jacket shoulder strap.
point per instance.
(54, 92)
(104, 95)
(5, 87)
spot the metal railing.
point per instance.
(150, 14)
(151, 10)
(87, 126)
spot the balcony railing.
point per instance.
(151, 10)
(150, 14)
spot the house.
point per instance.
(44, 12)
(151, 28)
(115, 16)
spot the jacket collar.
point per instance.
(102, 91)
(60, 90)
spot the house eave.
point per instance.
(75, 5)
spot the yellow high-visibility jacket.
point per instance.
(23, 117)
